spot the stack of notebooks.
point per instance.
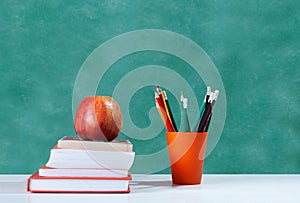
(75, 165)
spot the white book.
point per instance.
(75, 158)
(82, 172)
(37, 183)
(74, 142)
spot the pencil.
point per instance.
(164, 99)
(185, 125)
(208, 93)
(201, 110)
(205, 119)
(207, 123)
(206, 113)
(170, 114)
(162, 112)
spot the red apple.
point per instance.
(98, 118)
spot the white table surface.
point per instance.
(159, 188)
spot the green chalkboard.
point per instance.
(254, 46)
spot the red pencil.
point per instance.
(162, 111)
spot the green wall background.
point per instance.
(254, 45)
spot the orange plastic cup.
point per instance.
(186, 153)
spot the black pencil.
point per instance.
(204, 117)
(207, 123)
(205, 120)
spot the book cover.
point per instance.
(83, 172)
(37, 183)
(76, 158)
(74, 142)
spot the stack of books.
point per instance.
(76, 165)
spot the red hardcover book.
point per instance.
(37, 183)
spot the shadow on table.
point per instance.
(150, 185)
(12, 187)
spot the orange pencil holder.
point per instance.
(186, 153)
